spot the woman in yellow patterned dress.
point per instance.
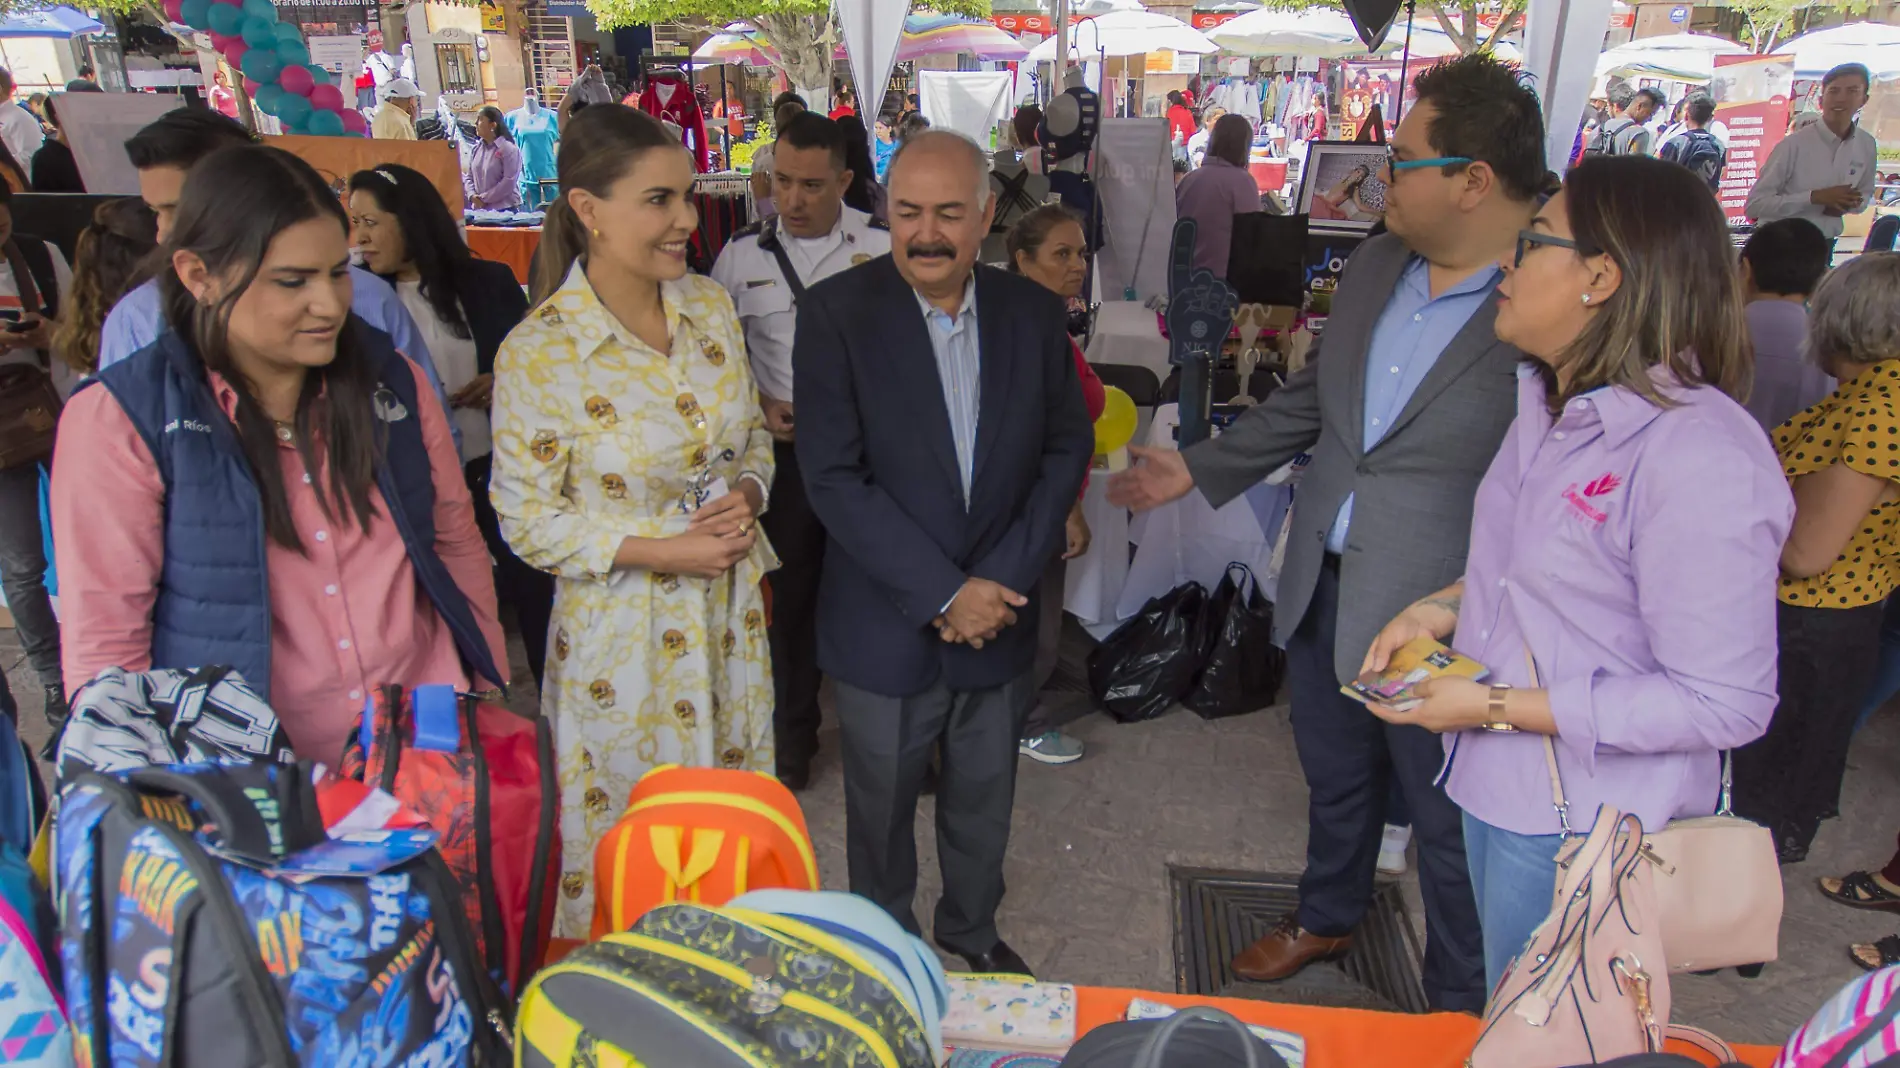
(631, 460)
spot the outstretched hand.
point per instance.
(1157, 476)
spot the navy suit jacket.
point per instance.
(881, 471)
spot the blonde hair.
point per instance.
(1680, 302)
(599, 145)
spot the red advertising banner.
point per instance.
(1015, 22)
(1752, 99)
(1207, 20)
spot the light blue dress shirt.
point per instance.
(137, 320)
(1411, 334)
(960, 367)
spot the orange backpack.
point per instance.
(704, 835)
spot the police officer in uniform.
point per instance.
(767, 267)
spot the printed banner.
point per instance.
(1752, 95)
(1362, 85)
(1017, 22)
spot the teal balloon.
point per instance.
(286, 31)
(259, 9)
(294, 110)
(326, 123)
(293, 52)
(320, 76)
(260, 34)
(196, 13)
(269, 98)
(226, 19)
(261, 64)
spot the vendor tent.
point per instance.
(1314, 31)
(1871, 43)
(1680, 57)
(62, 22)
(1127, 29)
(1431, 43)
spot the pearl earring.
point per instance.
(1586, 298)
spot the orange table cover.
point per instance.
(1342, 1038)
(512, 245)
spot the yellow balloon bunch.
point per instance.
(1116, 427)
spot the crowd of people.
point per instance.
(326, 445)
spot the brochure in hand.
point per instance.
(1412, 663)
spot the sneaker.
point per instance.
(1051, 747)
(1392, 849)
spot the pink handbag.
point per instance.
(1590, 985)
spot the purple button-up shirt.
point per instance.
(1635, 551)
(494, 174)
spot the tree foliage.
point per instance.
(1459, 20)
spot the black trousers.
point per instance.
(529, 590)
(1350, 757)
(887, 743)
(799, 539)
(1788, 777)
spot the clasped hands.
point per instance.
(979, 611)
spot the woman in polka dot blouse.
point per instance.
(1842, 457)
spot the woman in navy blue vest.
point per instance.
(270, 485)
(463, 307)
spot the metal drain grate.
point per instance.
(1219, 913)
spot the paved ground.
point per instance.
(1088, 897)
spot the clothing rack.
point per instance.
(724, 200)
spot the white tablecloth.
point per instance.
(1184, 540)
(1127, 332)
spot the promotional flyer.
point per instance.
(1752, 100)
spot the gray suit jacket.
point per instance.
(1411, 519)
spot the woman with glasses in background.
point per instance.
(1622, 598)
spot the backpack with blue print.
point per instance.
(33, 1027)
(207, 919)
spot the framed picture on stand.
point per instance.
(1340, 185)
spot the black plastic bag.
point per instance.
(1151, 659)
(1243, 669)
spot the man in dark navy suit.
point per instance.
(943, 437)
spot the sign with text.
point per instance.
(340, 54)
(494, 18)
(1014, 22)
(1752, 95)
(1207, 20)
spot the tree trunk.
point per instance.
(804, 44)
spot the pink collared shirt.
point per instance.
(1635, 550)
(347, 613)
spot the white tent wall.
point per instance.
(1562, 39)
(872, 31)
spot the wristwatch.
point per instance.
(1498, 724)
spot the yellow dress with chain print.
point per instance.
(599, 437)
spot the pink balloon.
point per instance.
(252, 85)
(296, 79)
(219, 41)
(327, 98)
(174, 11)
(234, 50)
(353, 121)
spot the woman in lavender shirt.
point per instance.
(1627, 538)
(493, 178)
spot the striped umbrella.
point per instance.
(738, 43)
(928, 33)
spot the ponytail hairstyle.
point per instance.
(114, 254)
(235, 203)
(598, 147)
(429, 237)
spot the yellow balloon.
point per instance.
(1116, 427)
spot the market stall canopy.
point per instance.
(738, 43)
(1871, 43)
(1128, 29)
(1315, 31)
(1431, 43)
(61, 22)
(1681, 57)
(928, 33)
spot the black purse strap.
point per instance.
(770, 242)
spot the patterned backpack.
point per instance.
(1855, 1029)
(131, 719)
(33, 1027)
(719, 988)
(705, 835)
(208, 920)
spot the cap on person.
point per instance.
(400, 88)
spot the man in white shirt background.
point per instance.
(18, 128)
(1824, 170)
(767, 267)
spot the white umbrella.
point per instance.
(1127, 29)
(1430, 42)
(1314, 31)
(1872, 43)
(1681, 57)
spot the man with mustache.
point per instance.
(942, 437)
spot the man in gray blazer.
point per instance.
(1402, 414)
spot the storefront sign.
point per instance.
(1751, 99)
(1166, 62)
(373, 40)
(494, 19)
(1207, 20)
(1012, 22)
(1679, 14)
(339, 54)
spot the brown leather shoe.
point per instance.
(1285, 950)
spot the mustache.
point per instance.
(916, 250)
